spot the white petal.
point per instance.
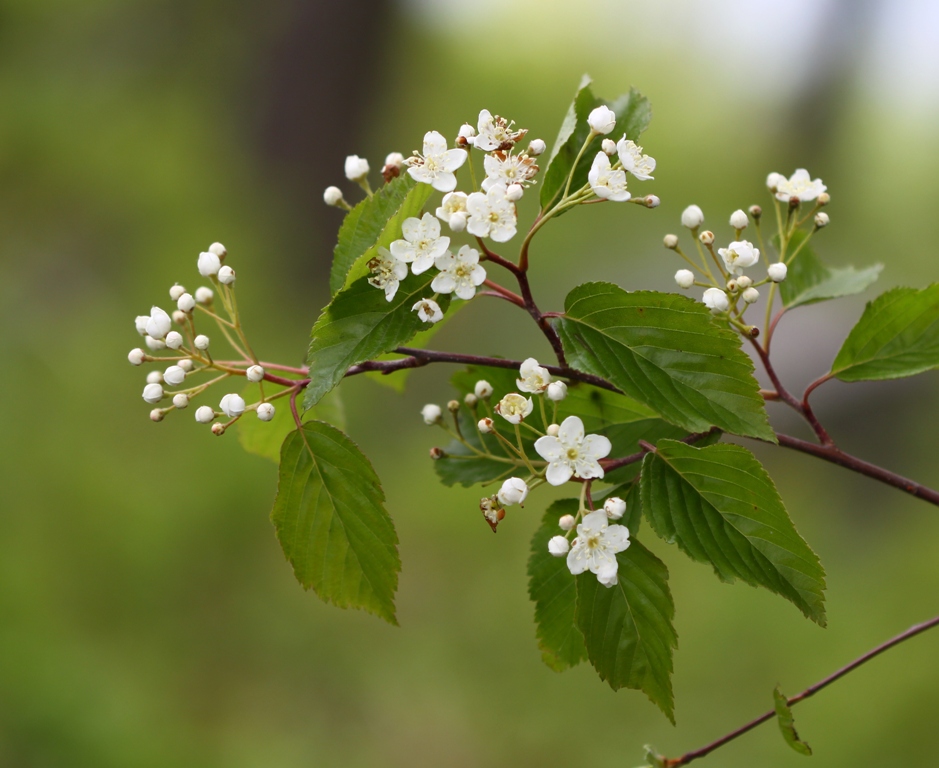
(478, 275)
(439, 247)
(465, 292)
(616, 537)
(595, 521)
(434, 144)
(452, 159)
(549, 448)
(445, 261)
(421, 174)
(422, 263)
(413, 229)
(597, 446)
(443, 283)
(558, 472)
(431, 227)
(402, 250)
(444, 182)
(571, 431)
(575, 562)
(478, 226)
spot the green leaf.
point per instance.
(359, 325)
(665, 351)
(897, 336)
(787, 724)
(633, 113)
(627, 628)
(331, 522)
(551, 586)
(653, 758)
(375, 221)
(721, 507)
(809, 281)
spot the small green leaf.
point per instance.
(787, 724)
(809, 280)
(331, 522)
(633, 113)
(665, 351)
(721, 507)
(627, 628)
(551, 586)
(653, 758)
(375, 221)
(359, 325)
(897, 336)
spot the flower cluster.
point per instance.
(596, 543)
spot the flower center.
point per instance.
(572, 454)
(593, 542)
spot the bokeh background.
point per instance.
(147, 617)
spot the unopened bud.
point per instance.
(553, 430)
(136, 356)
(739, 220)
(437, 453)
(614, 507)
(356, 168)
(513, 491)
(706, 237)
(204, 295)
(485, 425)
(557, 391)
(692, 217)
(394, 158)
(140, 323)
(684, 278)
(751, 295)
(226, 275)
(756, 212)
(744, 282)
(186, 302)
(823, 199)
(186, 364)
(176, 291)
(471, 400)
(652, 201)
(732, 285)
(566, 523)
(156, 414)
(201, 341)
(232, 405)
(332, 196)
(483, 389)
(609, 146)
(821, 219)
(431, 414)
(254, 373)
(179, 317)
(154, 377)
(537, 147)
(670, 242)
(174, 375)
(204, 414)
(174, 340)
(181, 400)
(219, 250)
(514, 193)
(153, 393)
(777, 272)
(154, 344)
(559, 546)
(458, 222)
(208, 264)
(218, 429)
(453, 406)
(774, 180)
(602, 120)
(265, 411)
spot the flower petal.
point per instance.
(616, 538)
(434, 144)
(595, 446)
(558, 472)
(412, 229)
(571, 431)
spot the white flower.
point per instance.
(605, 182)
(566, 522)
(800, 185)
(437, 164)
(533, 377)
(491, 214)
(158, 324)
(513, 491)
(557, 391)
(153, 393)
(684, 278)
(483, 389)
(596, 546)
(692, 217)
(614, 507)
(507, 169)
(431, 414)
(254, 373)
(181, 400)
(602, 120)
(208, 263)
(387, 272)
(739, 255)
(174, 375)
(356, 168)
(422, 243)
(777, 272)
(638, 164)
(495, 132)
(204, 414)
(232, 405)
(226, 275)
(459, 274)
(186, 303)
(514, 408)
(332, 195)
(537, 147)
(204, 295)
(716, 300)
(572, 453)
(428, 310)
(750, 295)
(265, 411)
(774, 180)
(453, 204)
(739, 220)
(559, 545)
(136, 356)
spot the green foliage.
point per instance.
(633, 114)
(627, 628)
(787, 724)
(665, 351)
(721, 507)
(897, 336)
(331, 522)
(552, 588)
(809, 280)
(375, 221)
(266, 438)
(359, 325)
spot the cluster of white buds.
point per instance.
(608, 179)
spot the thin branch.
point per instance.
(546, 328)
(502, 292)
(810, 691)
(495, 258)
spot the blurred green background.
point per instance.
(147, 617)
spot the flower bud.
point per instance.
(201, 341)
(356, 168)
(732, 285)
(821, 219)
(266, 411)
(176, 291)
(153, 393)
(437, 453)
(140, 323)
(777, 272)
(471, 400)
(608, 146)
(156, 414)
(601, 120)
(431, 414)
(559, 546)
(739, 220)
(154, 344)
(154, 377)
(692, 217)
(254, 373)
(208, 264)
(186, 364)
(670, 242)
(179, 317)
(483, 389)
(136, 356)
(232, 405)
(651, 201)
(394, 159)
(218, 429)
(453, 406)
(823, 199)
(684, 278)
(174, 340)
(174, 375)
(467, 131)
(159, 323)
(186, 302)
(219, 250)
(716, 300)
(226, 275)
(332, 196)
(537, 147)
(181, 400)
(774, 180)
(744, 282)
(204, 414)
(204, 295)
(514, 193)
(750, 295)
(614, 507)
(485, 425)
(557, 391)
(566, 523)
(457, 222)
(706, 237)
(513, 491)
(756, 212)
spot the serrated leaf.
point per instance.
(359, 325)
(331, 522)
(627, 628)
(375, 221)
(551, 587)
(265, 438)
(787, 724)
(665, 351)
(897, 336)
(721, 507)
(633, 113)
(809, 280)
